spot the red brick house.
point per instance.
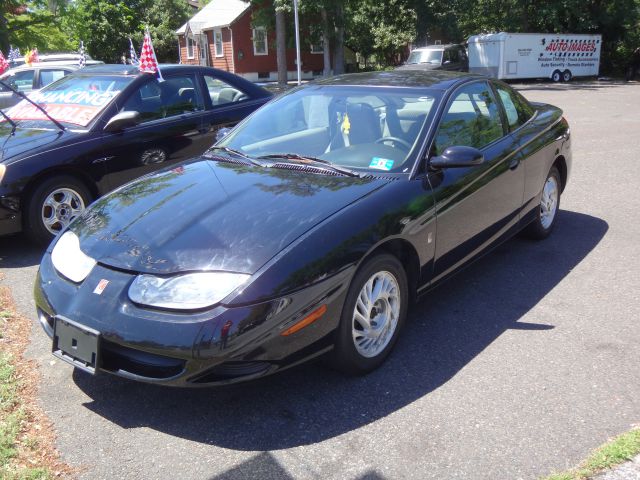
(220, 35)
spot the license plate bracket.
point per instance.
(76, 344)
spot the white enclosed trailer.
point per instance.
(559, 57)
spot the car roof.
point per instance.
(121, 69)
(438, 80)
(168, 69)
(70, 66)
(438, 47)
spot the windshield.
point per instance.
(75, 99)
(425, 56)
(374, 128)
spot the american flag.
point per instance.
(82, 61)
(4, 65)
(14, 53)
(148, 60)
(132, 53)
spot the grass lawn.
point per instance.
(27, 441)
(622, 448)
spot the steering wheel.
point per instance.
(395, 140)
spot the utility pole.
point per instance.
(298, 62)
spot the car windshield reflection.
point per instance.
(355, 127)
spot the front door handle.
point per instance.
(513, 164)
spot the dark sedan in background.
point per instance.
(307, 229)
(105, 125)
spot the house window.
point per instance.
(260, 41)
(190, 46)
(217, 37)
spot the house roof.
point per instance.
(216, 14)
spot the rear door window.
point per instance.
(516, 108)
(51, 75)
(222, 93)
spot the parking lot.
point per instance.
(515, 368)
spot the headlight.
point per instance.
(3, 168)
(184, 292)
(69, 260)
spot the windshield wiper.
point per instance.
(13, 124)
(312, 160)
(238, 153)
(39, 107)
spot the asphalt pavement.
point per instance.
(517, 367)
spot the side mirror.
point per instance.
(458, 156)
(122, 120)
(222, 132)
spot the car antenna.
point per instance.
(8, 119)
(39, 107)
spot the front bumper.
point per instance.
(10, 218)
(213, 347)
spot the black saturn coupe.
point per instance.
(307, 230)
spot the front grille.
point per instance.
(116, 357)
(232, 370)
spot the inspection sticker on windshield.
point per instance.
(381, 163)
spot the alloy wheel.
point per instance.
(376, 314)
(60, 207)
(549, 202)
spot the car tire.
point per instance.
(556, 76)
(358, 353)
(567, 76)
(547, 212)
(53, 204)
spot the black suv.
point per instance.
(438, 57)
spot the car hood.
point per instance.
(209, 215)
(24, 139)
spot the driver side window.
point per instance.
(472, 119)
(155, 100)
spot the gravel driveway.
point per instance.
(517, 367)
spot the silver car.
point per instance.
(30, 78)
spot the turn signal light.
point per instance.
(308, 320)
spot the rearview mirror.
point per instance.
(122, 120)
(457, 156)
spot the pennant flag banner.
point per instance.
(14, 53)
(4, 65)
(148, 60)
(82, 61)
(31, 57)
(132, 53)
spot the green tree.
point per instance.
(104, 26)
(381, 28)
(33, 25)
(164, 17)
